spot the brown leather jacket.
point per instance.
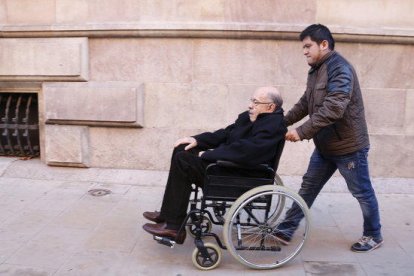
(335, 107)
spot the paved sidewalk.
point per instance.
(51, 225)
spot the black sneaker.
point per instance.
(282, 238)
(366, 244)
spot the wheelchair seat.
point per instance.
(227, 180)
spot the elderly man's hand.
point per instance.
(292, 135)
(192, 142)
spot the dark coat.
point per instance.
(334, 104)
(245, 142)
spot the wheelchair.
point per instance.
(250, 203)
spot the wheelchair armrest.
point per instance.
(228, 180)
(232, 165)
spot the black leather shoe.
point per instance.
(153, 216)
(160, 229)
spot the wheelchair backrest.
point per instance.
(279, 151)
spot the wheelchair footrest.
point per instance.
(260, 248)
(165, 241)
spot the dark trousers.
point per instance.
(186, 169)
(354, 168)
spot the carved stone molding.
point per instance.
(44, 59)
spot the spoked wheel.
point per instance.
(278, 205)
(207, 262)
(205, 226)
(254, 226)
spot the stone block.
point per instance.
(186, 106)
(119, 10)
(370, 60)
(159, 11)
(94, 104)
(271, 11)
(202, 11)
(141, 60)
(235, 61)
(132, 148)
(291, 94)
(198, 10)
(31, 12)
(291, 66)
(72, 11)
(3, 12)
(67, 146)
(389, 156)
(392, 156)
(366, 14)
(384, 110)
(237, 101)
(44, 59)
(295, 158)
(216, 11)
(259, 62)
(409, 113)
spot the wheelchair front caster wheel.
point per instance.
(205, 226)
(207, 261)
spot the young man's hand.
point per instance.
(292, 135)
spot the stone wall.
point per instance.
(120, 81)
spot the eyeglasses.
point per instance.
(256, 102)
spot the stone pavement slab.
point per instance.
(51, 225)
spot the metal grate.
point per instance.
(19, 124)
(99, 192)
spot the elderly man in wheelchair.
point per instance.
(237, 165)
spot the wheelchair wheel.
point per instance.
(204, 263)
(252, 223)
(279, 204)
(205, 226)
(278, 207)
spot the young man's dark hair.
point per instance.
(318, 33)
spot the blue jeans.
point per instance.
(354, 168)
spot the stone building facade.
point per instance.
(119, 81)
